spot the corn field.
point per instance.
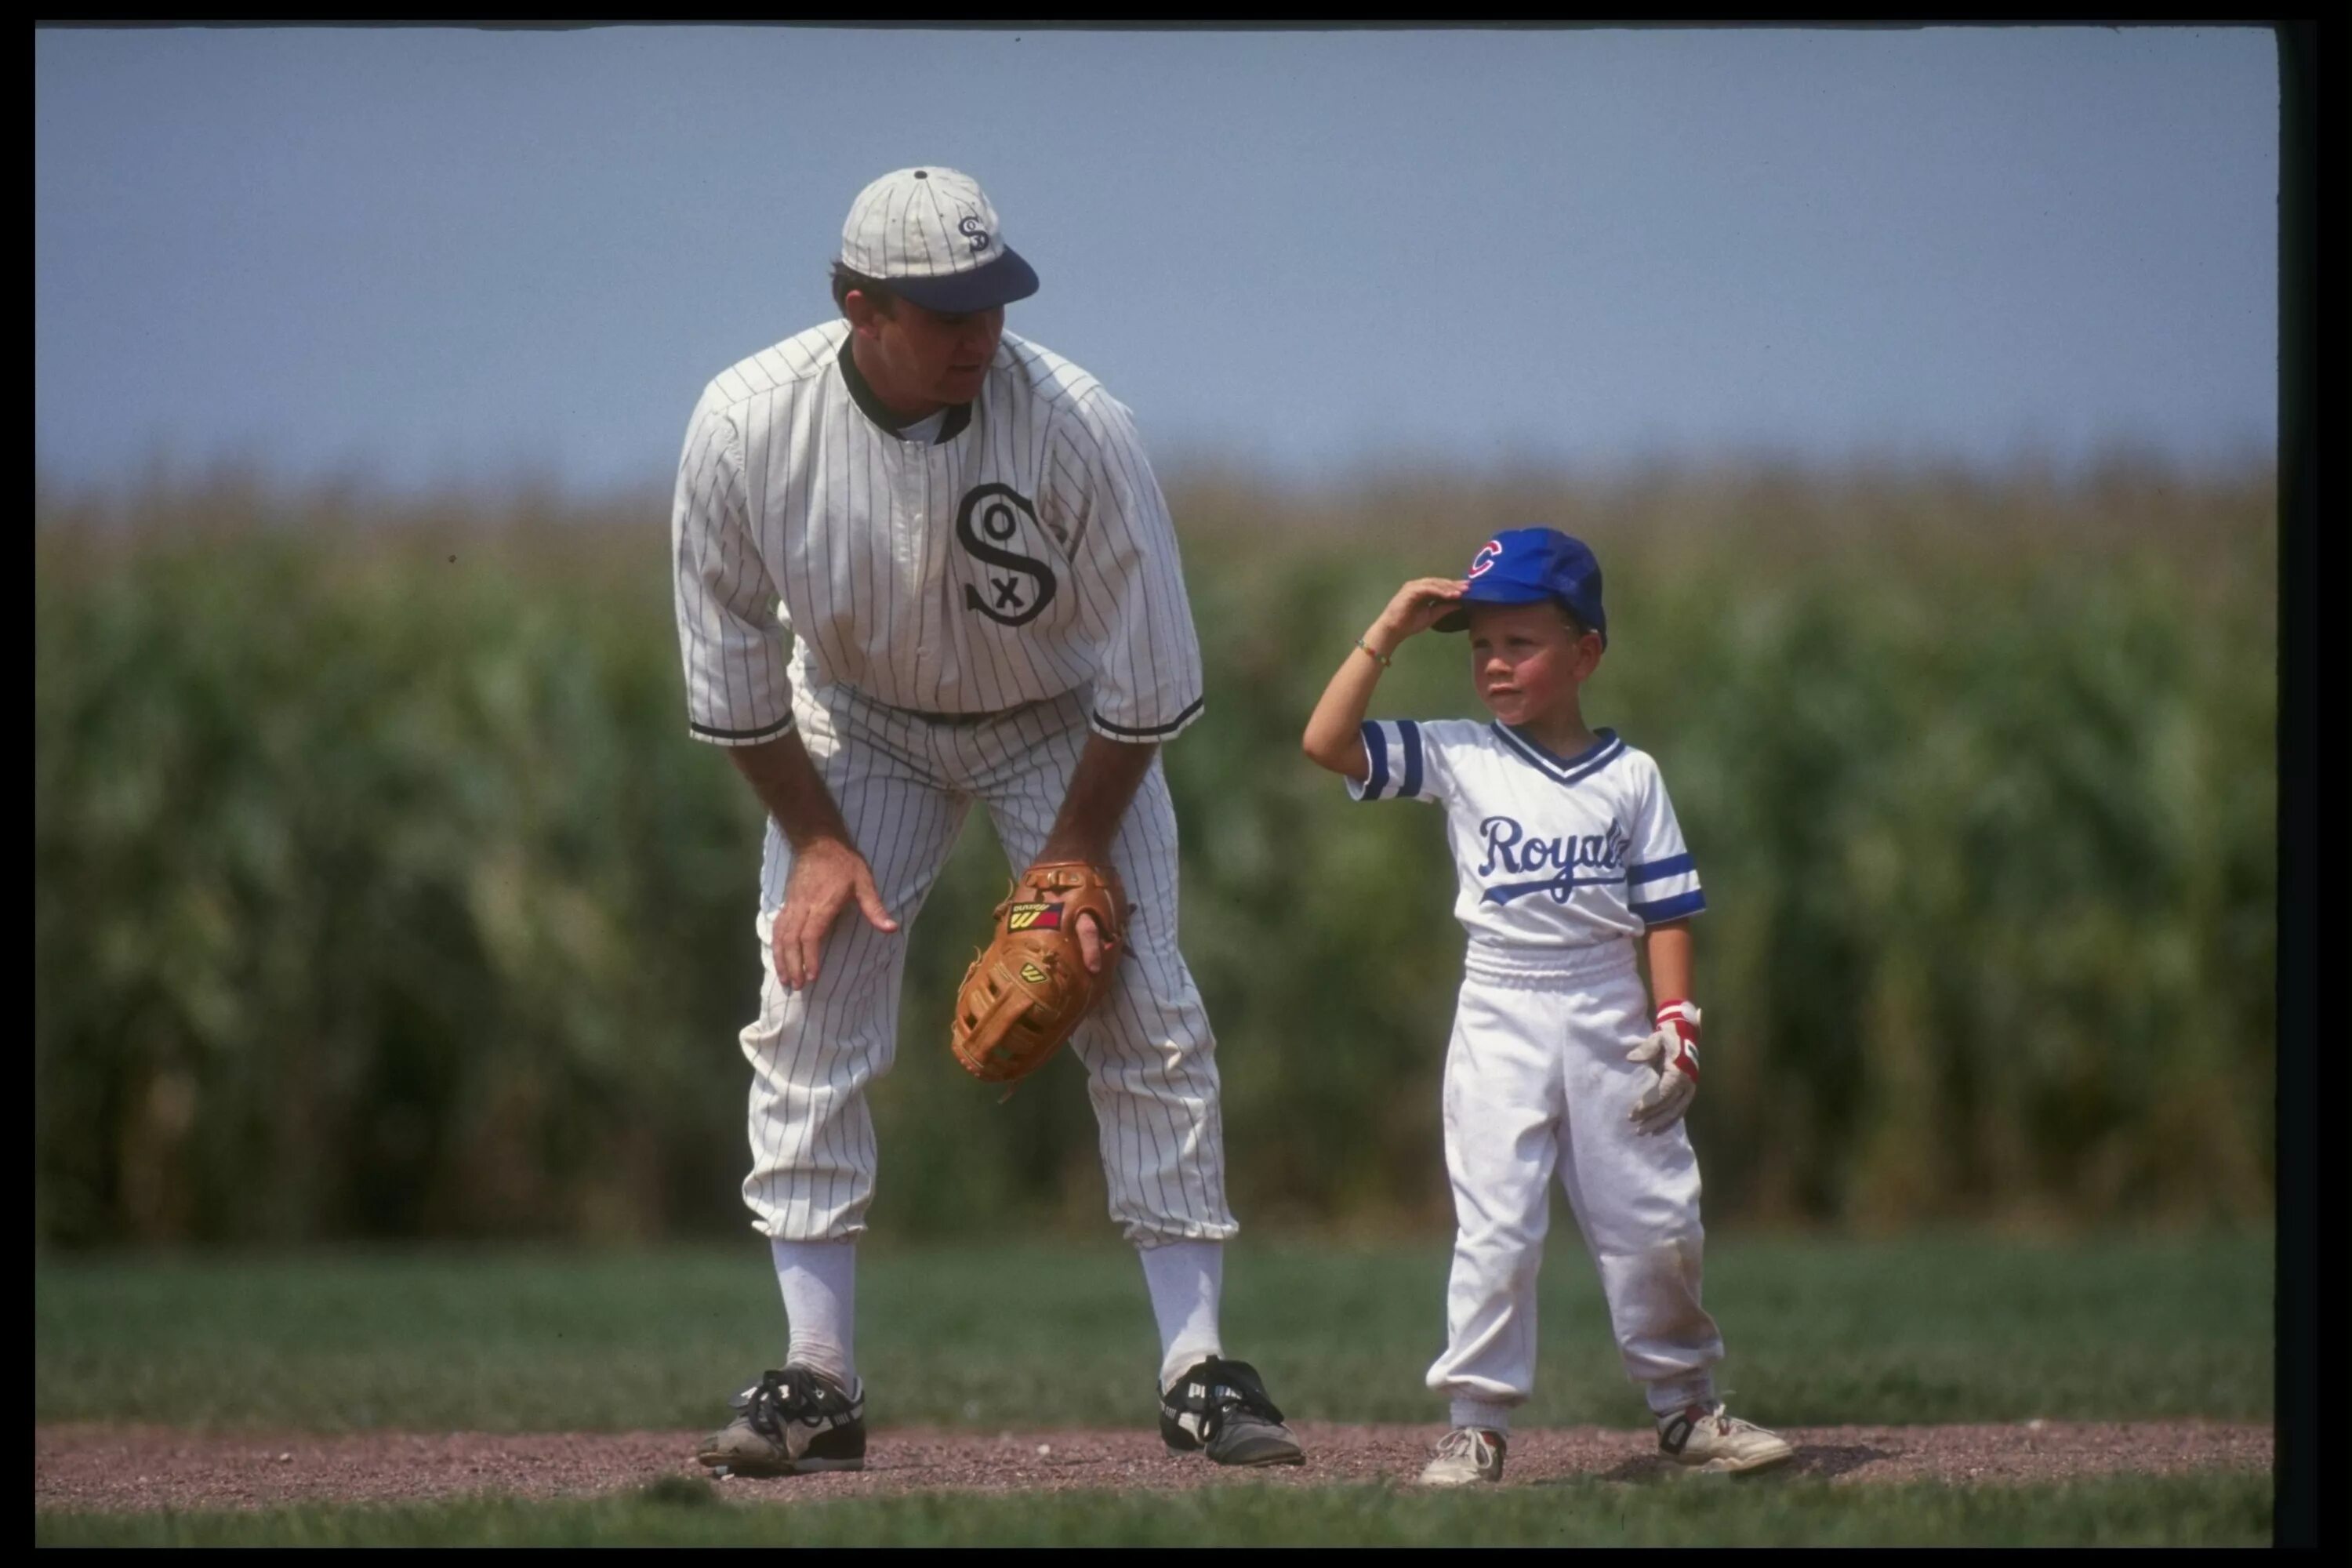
(379, 892)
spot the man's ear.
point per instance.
(865, 315)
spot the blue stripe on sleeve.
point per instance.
(1672, 909)
(1672, 866)
(1412, 733)
(1376, 747)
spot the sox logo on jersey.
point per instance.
(1011, 600)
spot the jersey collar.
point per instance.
(1606, 748)
(862, 394)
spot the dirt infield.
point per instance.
(131, 1469)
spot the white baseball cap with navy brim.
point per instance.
(932, 236)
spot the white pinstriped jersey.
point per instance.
(1551, 853)
(1022, 551)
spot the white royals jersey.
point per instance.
(1007, 550)
(1551, 853)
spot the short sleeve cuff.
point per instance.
(1657, 911)
(1144, 734)
(718, 736)
(1393, 753)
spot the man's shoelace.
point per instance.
(1228, 1385)
(790, 1394)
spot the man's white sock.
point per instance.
(1186, 1278)
(819, 1280)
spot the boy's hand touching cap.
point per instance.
(1417, 605)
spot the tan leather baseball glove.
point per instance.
(1023, 995)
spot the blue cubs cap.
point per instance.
(1528, 566)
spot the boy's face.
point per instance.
(1527, 661)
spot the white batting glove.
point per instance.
(1673, 1052)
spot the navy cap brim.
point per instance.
(1493, 594)
(1002, 281)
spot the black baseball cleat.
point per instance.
(794, 1421)
(1220, 1408)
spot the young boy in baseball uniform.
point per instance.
(1568, 853)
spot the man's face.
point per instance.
(927, 358)
(1526, 662)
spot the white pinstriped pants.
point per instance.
(903, 785)
(1536, 1085)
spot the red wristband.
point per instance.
(1681, 1015)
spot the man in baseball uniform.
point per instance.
(921, 563)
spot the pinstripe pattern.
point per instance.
(798, 520)
(1150, 1057)
(834, 575)
(1150, 1061)
(902, 226)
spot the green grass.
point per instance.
(2200, 1510)
(1919, 1329)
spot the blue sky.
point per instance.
(439, 256)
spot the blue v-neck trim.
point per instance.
(1606, 748)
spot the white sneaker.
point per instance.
(1466, 1457)
(1707, 1439)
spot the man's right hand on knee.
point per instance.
(826, 875)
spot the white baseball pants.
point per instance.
(903, 784)
(1536, 1083)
